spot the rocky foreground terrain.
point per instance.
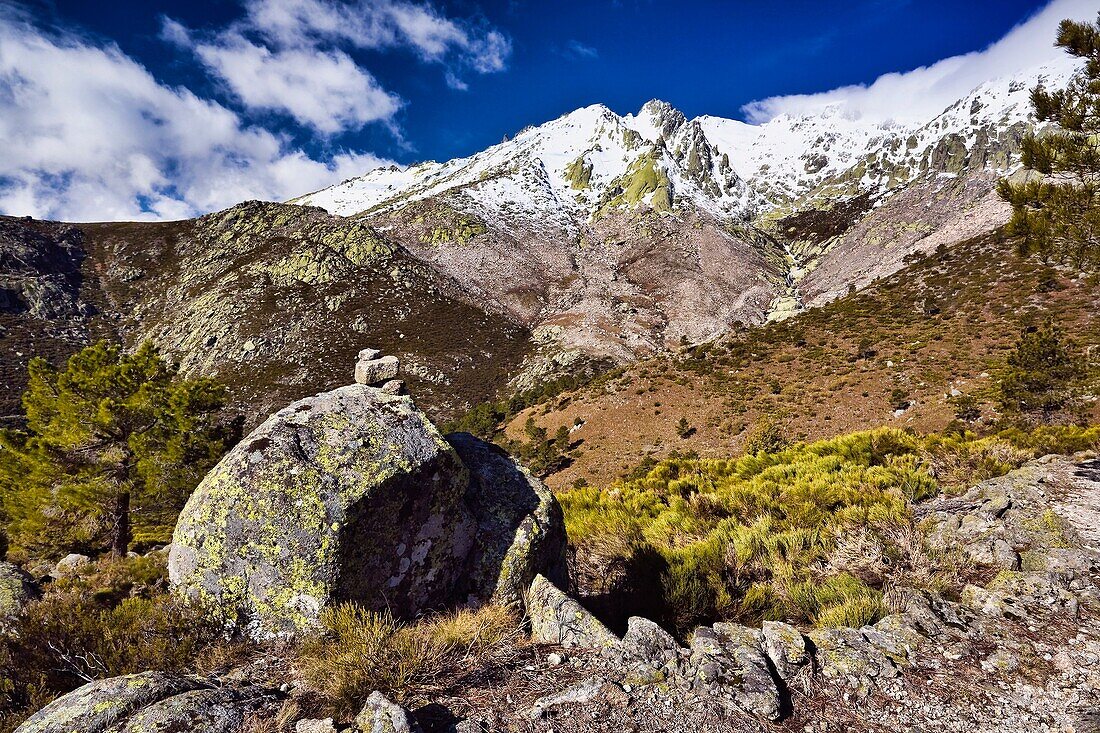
(353, 495)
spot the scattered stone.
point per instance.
(732, 657)
(581, 693)
(69, 565)
(648, 643)
(786, 648)
(558, 619)
(381, 715)
(312, 725)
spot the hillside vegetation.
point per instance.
(915, 350)
(807, 533)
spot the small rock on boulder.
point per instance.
(374, 371)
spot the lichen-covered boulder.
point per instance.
(103, 704)
(350, 495)
(558, 619)
(785, 647)
(199, 711)
(520, 527)
(845, 654)
(732, 656)
(16, 590)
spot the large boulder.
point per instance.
(151, 702)
(520, 527)
(353, 495)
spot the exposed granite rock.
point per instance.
(349, 495)
(17, 588)
(558, 619)
(115, 704)
(353, 495)
(380, 715)
(786, 648)
(520, 526)
(197, 711)
(732, 657)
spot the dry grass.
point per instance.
(359, 651)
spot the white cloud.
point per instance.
(290, 55)
(577, 50)
(89, 134)
(380, 24)
(323, 89)
(924, 92)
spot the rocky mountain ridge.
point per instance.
(593, 239)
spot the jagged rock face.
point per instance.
(272, 300)
(150, 702)
(43, 307)
(626, 284)
(593, 237)
(353, 495)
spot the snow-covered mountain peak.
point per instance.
(591, 160)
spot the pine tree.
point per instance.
(1039, 375)
(112, 443)
(1056, 212)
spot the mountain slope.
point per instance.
(894, 353)
(274, 300)
(521, 221)
(592, 238)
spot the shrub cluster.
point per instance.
(802, 533)
(114, 617)
(357, 652)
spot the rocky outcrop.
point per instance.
(150, 702)
(353, 495)
(1018, 652)
(556, 618)
(520, 527)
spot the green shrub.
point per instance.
(113, 618)
(807, 533)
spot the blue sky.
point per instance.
(276, 97)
